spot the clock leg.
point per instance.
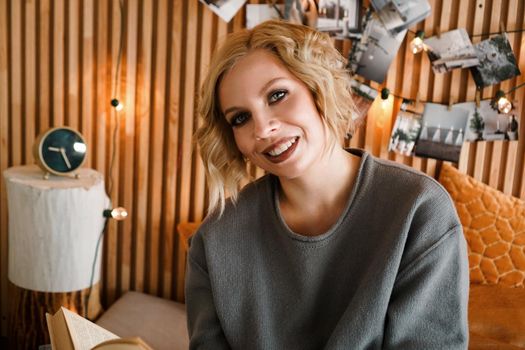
(46, 176)
(77, 176)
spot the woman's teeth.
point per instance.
(282, 147)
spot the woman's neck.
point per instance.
(312, 203)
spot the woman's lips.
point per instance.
(284, 155)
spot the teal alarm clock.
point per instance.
(60, 151)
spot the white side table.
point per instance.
(54, 226)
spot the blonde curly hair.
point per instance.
(309, 55)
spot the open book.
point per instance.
(69, 331)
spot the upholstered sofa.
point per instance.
(494, 227)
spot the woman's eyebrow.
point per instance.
(263, 89)
(229, 110)
(261, 92)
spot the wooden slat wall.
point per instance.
(58, 60)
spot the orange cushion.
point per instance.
(496, 317)
(494, 227)
(186, 230)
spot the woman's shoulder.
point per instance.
(399, 186)
(243, 210)
(400, 177)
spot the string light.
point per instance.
(417, 45)
(502, 103)
(116, 103)
(118, 213)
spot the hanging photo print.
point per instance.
(225, 9)
(363, 97)
(442, 133)
(405, 133)
(496, 61)
(340, 16)
(398, 15)
(379, 4)
(372, 56)
(256, 14)
(451, 50)
(487, 124)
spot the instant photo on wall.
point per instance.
(256, 14)
(405, 133)
(496, 61)
(341, 16)
(363, 97)
(442, 132)
(487, 124)
(398, 15)
(372, 55)
(225, 9)
(451, 50)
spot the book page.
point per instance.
(58, 332)
(84, 333)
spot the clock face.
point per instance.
(63, 150)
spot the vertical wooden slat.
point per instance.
(510, 169)
(187, 120)
(170, 252)
(43, 62)
(143, 101)
(4, 159)
(456, 74)
(494, 16)
(30, 82)
(205, 56)
(157, 146)
(477, 28)
(113, 156)
(444, 14)
(15, 81)
(519, 95)
(98, 141)
(496, 169)
(481, 163)
(101, 100)
(127, 136)
(87, 81)
(463, 157)
(72, 82)
(57, 68)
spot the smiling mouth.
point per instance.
(282, 151)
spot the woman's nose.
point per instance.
(265, 127)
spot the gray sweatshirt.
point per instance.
(392, 272)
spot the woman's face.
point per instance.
(273, 115)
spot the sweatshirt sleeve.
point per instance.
(428, 305)
(204, 327)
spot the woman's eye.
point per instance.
(276, 96)
(239, 119)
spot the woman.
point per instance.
(333, 249)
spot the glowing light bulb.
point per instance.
(118, 213)
(417, 45)
(504, 105)
(79, 147)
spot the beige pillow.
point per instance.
(494, 227)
